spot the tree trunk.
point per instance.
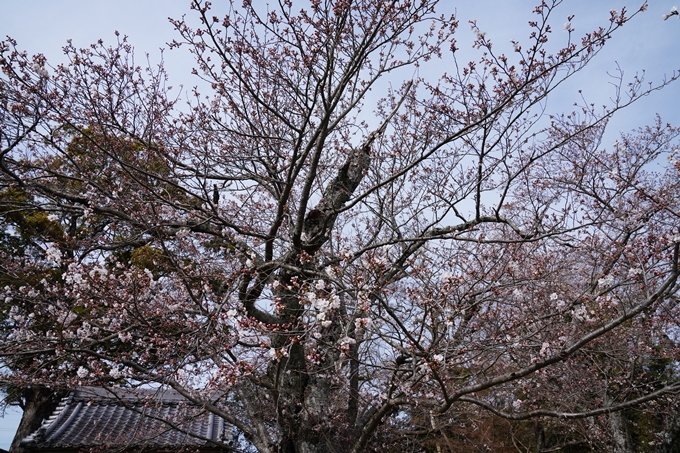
(670, 439)
(38, 404)
(623, 443)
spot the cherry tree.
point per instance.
(325, 279)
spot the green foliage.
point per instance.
(148, 257)
(22, 224)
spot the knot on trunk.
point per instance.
(319, 221)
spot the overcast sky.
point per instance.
(649, 43)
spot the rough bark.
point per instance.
(670, 439)
(38, 404)
(304, 399)
(623, 443)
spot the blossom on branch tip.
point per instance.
(53, 255)
(674, 12)
(39, 69)
(182, 233)
(82, 372)
(605, 281)
(633, 272)
(361, 323)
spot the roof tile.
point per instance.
(93, 417)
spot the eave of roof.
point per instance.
(95, 417)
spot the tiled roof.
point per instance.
(92, 417)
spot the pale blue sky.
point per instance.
(648, 43)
